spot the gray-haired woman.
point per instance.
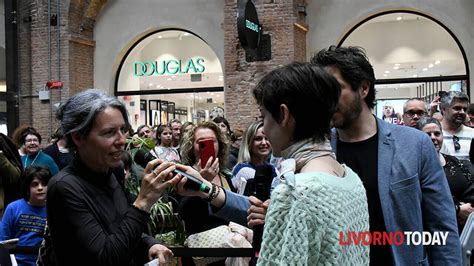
(90, 220)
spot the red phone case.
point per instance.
(206, 150)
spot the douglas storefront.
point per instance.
(170, 74)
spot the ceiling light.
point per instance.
(385, 75)
(386, 72)
(396, 67)
(399, 18)
(159, 36)
(430, 65)
(415, 75)
(186, 34)
(397, 64)
(437, 62)
(425, 69)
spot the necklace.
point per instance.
(26, 160)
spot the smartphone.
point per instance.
(206, 151)
(442, 93)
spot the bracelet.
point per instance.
(214, 192)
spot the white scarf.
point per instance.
(305, 150)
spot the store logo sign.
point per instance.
(169, 67)
(248, 26)
(252, 26)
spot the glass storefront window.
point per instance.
(170, 74)
(155, 109)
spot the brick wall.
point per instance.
(38, 50)
(278, 19)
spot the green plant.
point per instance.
(136, 143)
(166, 225)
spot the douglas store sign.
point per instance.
(168, 67)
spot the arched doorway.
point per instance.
(170, 74)
(413, 55)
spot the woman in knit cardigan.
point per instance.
(317, 197)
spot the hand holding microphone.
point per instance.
(193, 182)
(156, 180)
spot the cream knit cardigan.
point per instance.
(303, 222)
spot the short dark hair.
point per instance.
(30, 131)
(306, 89)
(354, 66)
(40, 172)
(220, 119)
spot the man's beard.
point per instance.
(459, 120)
(344, 118)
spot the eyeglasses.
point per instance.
(457, 146)
(411, 114)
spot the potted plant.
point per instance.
(165, 224)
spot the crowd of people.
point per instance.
(334, 168)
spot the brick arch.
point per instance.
(83, 13)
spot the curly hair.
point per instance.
(354, 65)
(18, 135)
(30, 131)
(187, 146)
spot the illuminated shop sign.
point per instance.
(248, 26)
(252, 26)
(168, 67)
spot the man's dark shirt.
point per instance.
(362, 157)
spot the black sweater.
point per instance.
(91, 221)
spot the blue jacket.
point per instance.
(414, 194)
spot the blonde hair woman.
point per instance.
(254, 151)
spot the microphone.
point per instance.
(143, 157)
(263, 181)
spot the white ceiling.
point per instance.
(407, 47)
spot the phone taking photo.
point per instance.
(206, 151)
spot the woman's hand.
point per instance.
(158, 177)
(162, 253)
(257, 211)
(186, 192)
(210, 170)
